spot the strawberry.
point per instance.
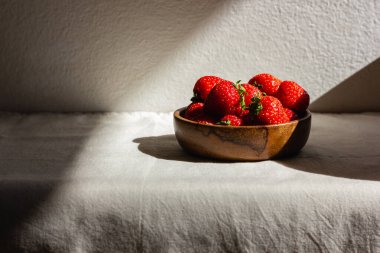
(250, 92)
(225, 98)
(291, 114)
(195, 113)
(293, 96)
(203, 87)
(266, 83)
(230, 120)
(267, 111)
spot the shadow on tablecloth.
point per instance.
(37, 152)
(166, 147)
(341, 145)
(366, 167)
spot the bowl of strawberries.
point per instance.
(263, 119)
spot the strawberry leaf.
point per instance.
(257, 85)
(255, 106)
(241, 90)
(226, 122)
(196, 98)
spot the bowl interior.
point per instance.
(181, 111)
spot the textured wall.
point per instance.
(59, 55)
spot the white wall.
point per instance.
(58, 55)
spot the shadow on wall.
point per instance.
(80, 56)
(37, 152)
(358, 93)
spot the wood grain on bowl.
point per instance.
(244, 143)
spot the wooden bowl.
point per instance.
(243, 143)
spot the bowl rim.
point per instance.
(177, 114)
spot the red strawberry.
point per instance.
(293, 96)
(267, 111)
(250, 92)
(225, 98)
(203, 87)
(195, 112)
(266, 83)
(291, 114)
(230, 120)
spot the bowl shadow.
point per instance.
(166, 147)
(338, 156)
(319, 156)
(338, 167)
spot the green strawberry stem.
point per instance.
(241, 92)
(255, 106)
(257, 85)
(196, 98)
(226, 122)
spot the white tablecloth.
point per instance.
(119, 182)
